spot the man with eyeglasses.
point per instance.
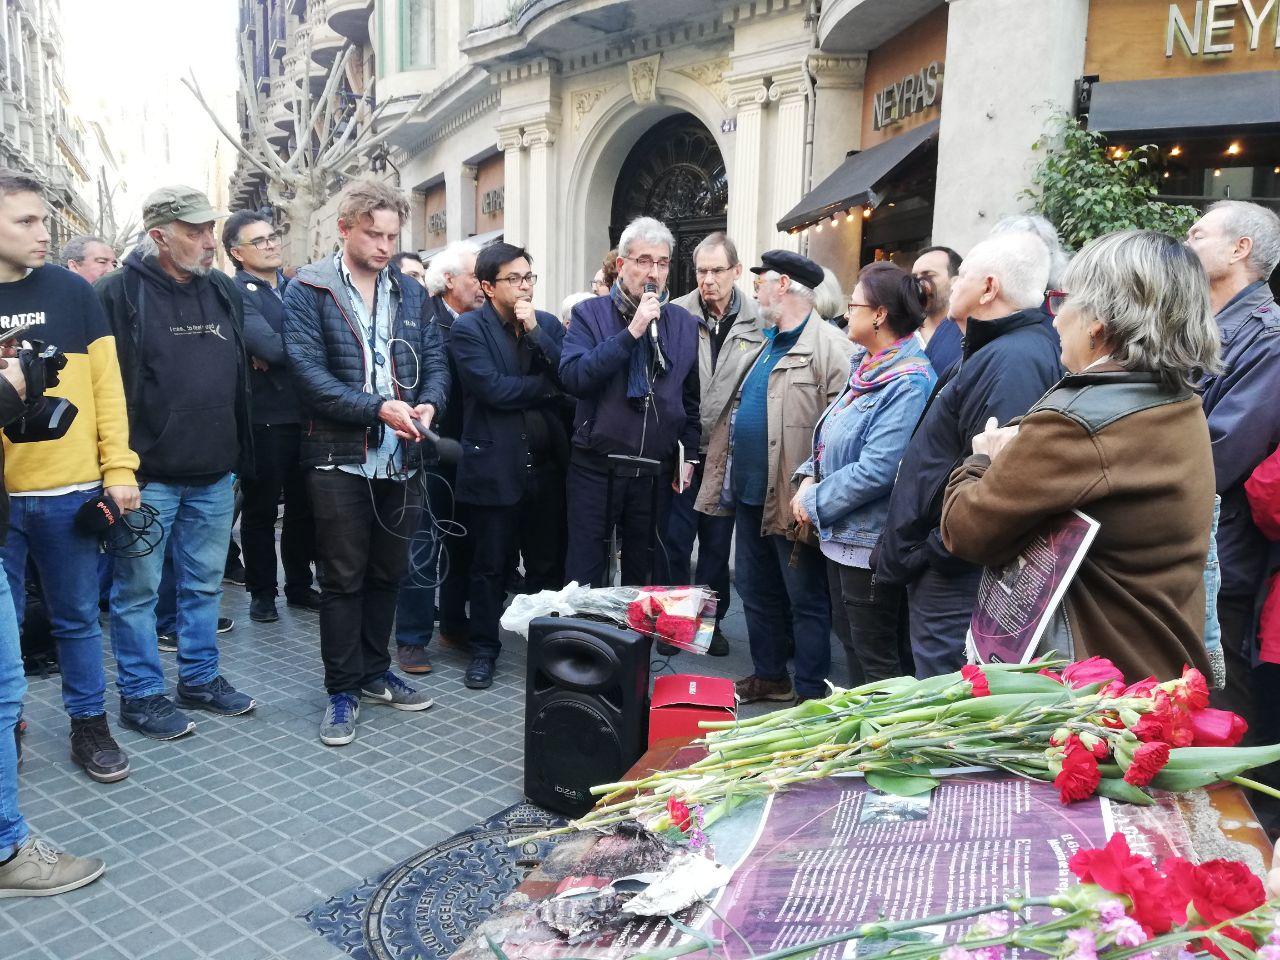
(514, 447)
(729, 335)
(631, 359)
(253, 245)
(89, 257)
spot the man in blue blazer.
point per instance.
(514, 443)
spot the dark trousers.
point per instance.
(440, 566)
(778, 580)
(532, 527)
(362, 531)
(631, 511)
(275, 449)
(715, 541)
(939, 609)
(1238, 622)
(870, 618)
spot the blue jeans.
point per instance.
(13, 685)
(67, 561)
(167, 599)
(715, 540)
(199, 520)
(770, 586)
(416, 605)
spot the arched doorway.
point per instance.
(675, 173)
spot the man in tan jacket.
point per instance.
(729, 337)
(755, 448)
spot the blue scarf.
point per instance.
(644, 354)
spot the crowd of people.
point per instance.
(438, 442)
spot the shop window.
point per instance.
(417, 34)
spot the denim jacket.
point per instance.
(862, 449)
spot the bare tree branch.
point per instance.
(250, 95)
(194, 87)
(367, 145)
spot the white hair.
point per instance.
(645, 230)
(797, 288)
(1262, 226)
(569, 302)
(1042, 228)
(1020, 261)
(829, 297)
(448, 263)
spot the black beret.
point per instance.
(798, 268)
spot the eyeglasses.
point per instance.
(703, 272)
(648, 263)
(854, 303)
(1057, 300)
(261, 243)
(517, 279)
(758, 282)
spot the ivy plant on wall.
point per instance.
(1086, 191)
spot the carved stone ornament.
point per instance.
(584, 101)
(643, 76)
(748, 93)
(711, 75)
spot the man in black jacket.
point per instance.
(454, 290)
(371, 371)
(1010, 358)
(178, 325)
(514, 444)
(253, 244)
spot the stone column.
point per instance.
(747, 96)
(467, 198)
(790, 91)
(995, 108)
(514, 225)
(543, 210)
(837, 129)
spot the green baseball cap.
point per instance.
(178, 203)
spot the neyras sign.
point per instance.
(1211, 29)
(914, 93)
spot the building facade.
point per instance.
(40, 134)
(853, 130)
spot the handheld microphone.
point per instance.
(652, 287)
(449, 451)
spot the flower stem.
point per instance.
(1255, 785)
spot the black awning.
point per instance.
(856, 181)
(1224, 101)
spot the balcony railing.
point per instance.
(491, 13)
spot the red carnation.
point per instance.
(678, 813)
(1080, 775)
(977, 680)
(1216, 728)
(638, 616)
(1194, 690)
(1148, 760)
(1166, 722)
(1116, 869)
(676, 629)
(1094, 670)
(1219, 890)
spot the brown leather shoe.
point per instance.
(752, 689)
(413, 658)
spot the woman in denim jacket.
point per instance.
(857, 445)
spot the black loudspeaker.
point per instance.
(586, 710)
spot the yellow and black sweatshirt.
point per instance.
(61, 308)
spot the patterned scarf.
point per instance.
(870, 373)
(644, 355)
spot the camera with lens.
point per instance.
(45, 417)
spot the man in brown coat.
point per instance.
(755, 448)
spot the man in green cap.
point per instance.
(179, 329)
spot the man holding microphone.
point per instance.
(514, 443)
(631, 359)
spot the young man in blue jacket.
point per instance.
(514, 444)
(631, 359)
(1010, 358)
(369, 369)
(1239, 245)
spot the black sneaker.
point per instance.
(225, 624)
(479, 674)
(306, 599)
(155, 717)
(93, 747)
(167, 642)
(719, 645)
(216, 696)
(262, 609)
(234, 573)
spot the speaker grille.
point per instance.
(571, 746)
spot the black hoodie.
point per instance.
(183, 421)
